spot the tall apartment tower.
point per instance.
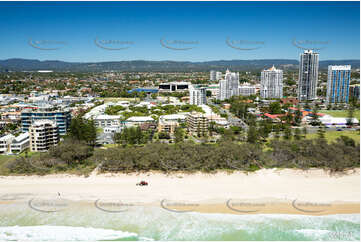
(272, 83)
(219, 75)
(197, 96)
(229, 86)
(308, 76)
(43, 135)
(212, 76)
(338, 84)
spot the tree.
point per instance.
(277, 132)
(275, 108)
(321, 132)
(287, 133)
(132, 135)
(265, 129)
(83, 130)
(179, 134)
(315, 119)
(351, 111)
(252, 134)
(297, 134)
(163, 135)
(298, 116)
(304, 131)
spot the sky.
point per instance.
(178, 31)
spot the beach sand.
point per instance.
(279, 191)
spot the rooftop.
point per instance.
(140, 119)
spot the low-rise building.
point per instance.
(5, 143)
(113, 129)
(289, 100)
(105, 120)
(330, 121)
(139, 120)
(20, 143)
(43, 135)
(174, 87)
(167, 126)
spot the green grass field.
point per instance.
(333, 135)
(116, 99)
(341, 113)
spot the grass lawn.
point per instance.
(3, 160)
(333, 135)
(116, 99)
(341, 113)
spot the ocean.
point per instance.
(87, 223)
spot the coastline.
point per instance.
(267, 191)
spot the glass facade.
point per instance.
(61, 118)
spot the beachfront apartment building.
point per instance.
(5, 143)
(20, 143)
(308, 76)
(197, 123)
(168, 123)
(338, 84)
(43, 135)
(271, 83)
(197, 95)
(167, 126)
(61, 118)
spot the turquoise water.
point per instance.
(19, 222)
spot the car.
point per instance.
(339, 129)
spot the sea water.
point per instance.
(19, 222)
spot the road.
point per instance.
(231, 118)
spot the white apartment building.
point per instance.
(247, 89)
(43, 135)
(105, 120)
(229, 86)
(20, 143)
(308, 76)
(219, 75)
(272, 83)
(197, 95)
(113, 129)
(212, 76)
(139, 120)
(5, 143)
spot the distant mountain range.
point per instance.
(161, 66)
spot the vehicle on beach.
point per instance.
(142, 183)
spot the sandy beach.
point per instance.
(287, 191)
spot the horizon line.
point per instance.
(19, 58)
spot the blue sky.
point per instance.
(270, 30)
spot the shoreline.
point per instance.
(267, 191)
